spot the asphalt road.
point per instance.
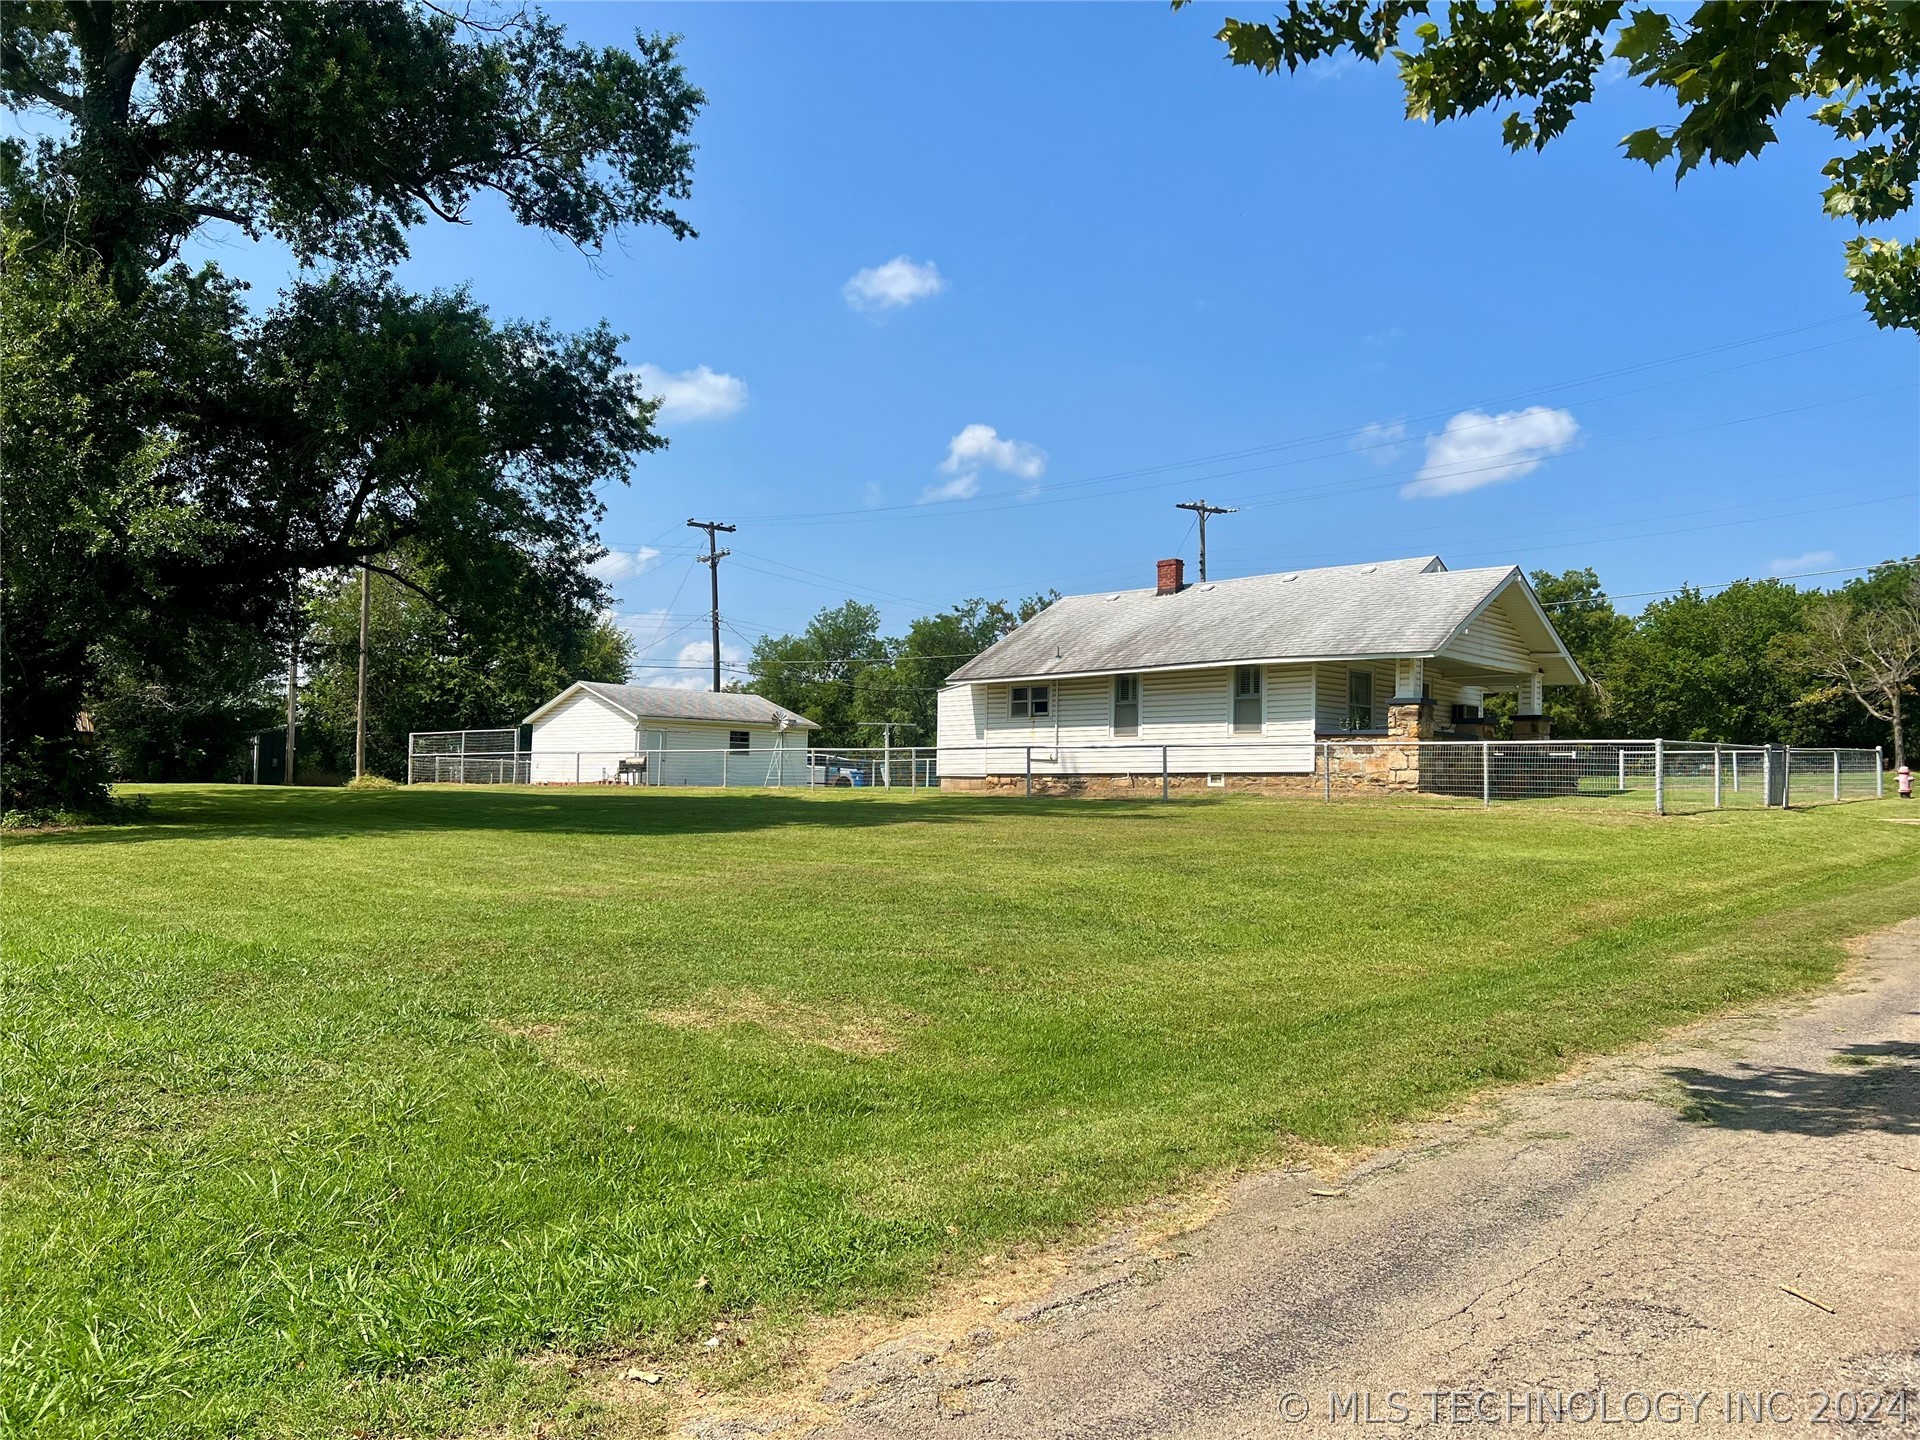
(1722, 1231)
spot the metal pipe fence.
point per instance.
(464, 758)
(1664, 776)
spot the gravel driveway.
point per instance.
(1722, 1232)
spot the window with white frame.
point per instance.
(1031, 702)
(1126, 705)
(1248, 712)
(1359, 700)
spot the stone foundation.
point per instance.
(1532, 727)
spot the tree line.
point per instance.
(185, 460)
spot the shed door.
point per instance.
(656, 756)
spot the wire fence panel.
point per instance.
(1662, 776)
(1658, 776)
(1826, 776)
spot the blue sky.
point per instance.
(1129, 275)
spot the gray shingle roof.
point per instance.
(1390, 608)
(663, 702)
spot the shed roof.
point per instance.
(665, 702)
(1389, 608)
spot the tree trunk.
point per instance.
(1899, 732)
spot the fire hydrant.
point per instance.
(1906, 782)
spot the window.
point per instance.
(1359, 700)
(1247, 711)
(739, 740)
(1126, 705)
(1030, 702)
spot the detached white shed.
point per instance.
(655, 735)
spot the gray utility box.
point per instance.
(1777, 794)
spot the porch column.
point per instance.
(1528, 721)
(1409, 712)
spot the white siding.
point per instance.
(1330, 699)
(688, 752)
(1189, 710)
(962, 721)
(1493, 641)
(584, 737)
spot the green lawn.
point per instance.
(320, 1108)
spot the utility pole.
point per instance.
(712, 560)
(886, 729)
(293, 679)
(360, 695)
(1203, 510)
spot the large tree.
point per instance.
(170, 453)
(1866, 645)
(430, 669)
(1733, 68)
(1711, 667)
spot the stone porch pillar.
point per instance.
(1529, 723)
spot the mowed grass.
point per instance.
(324, 1110)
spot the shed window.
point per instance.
(1359, 699)
(739, 740)
(1247, 712)
(1031, 702)
(1126, 705)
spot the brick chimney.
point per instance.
(1172, 577)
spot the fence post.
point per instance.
(1766, 777)
(1736, 772)
(1029, 772)
(576, 767)
(1622, 757)
(1716, 777)
(1836, 774)
(1659, 777)
(1486, 773)
(1166, 789)
(1786, 777)
(1326, 767)
(723, 769)
(1879, 774)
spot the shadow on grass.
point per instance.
(273, 812)
(1870, 1087)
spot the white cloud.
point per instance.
(691, 667)
(893, 286)
(616, 567)
(696, 394)
(961, 487)
(981, 447)
(1798, 564)
(1477, 449)
(873, 493)
(1381, 442)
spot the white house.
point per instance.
(1244, 677)
(593, 732)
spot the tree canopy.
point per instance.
(843, 674)
(1733, 68)
(177, 458)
